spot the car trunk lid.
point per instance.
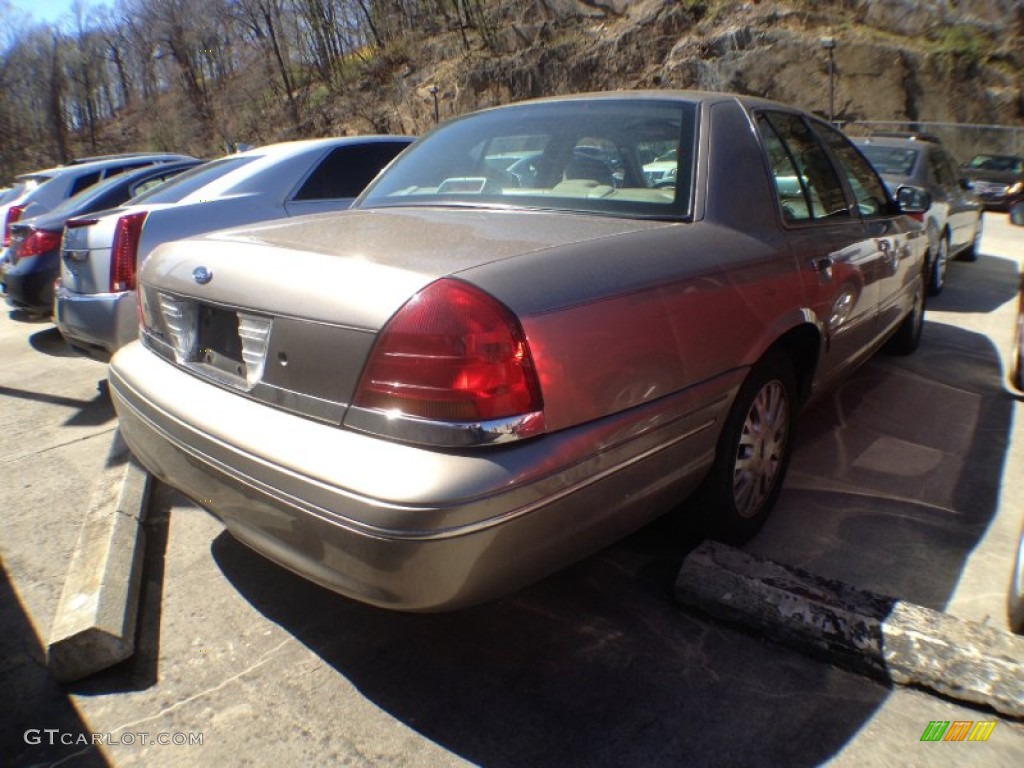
(288, 312)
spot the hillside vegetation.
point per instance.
(200, 76)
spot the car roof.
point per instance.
(706, 97)
(111, 162)
(287, 148)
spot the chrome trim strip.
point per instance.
(443, 434)
(356, 526)
(310, 406)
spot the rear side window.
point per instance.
(84, 182)
(868, 189)
(346, 171)
(806, 182)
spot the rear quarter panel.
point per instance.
(647, 314)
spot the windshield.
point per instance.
(580, 156)
(890, 161)
(180, 187)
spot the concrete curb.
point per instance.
(94, 627)
(897, 641)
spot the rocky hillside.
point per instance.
(947, 61)
(931, 60)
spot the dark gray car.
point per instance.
(954, 219)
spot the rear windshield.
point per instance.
(890, 161)
(618, 157)
(83, 200)
(191, 180)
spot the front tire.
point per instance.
(908, 336)
(753, 452)
(971, 254)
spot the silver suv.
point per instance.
(953, 220)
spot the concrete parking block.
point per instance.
(898, 641)
(94, 627)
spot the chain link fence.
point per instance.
(963, 140)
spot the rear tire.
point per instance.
(753, 452)
(908, 336)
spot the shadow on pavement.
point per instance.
(35, 702)
(593, 666)
(981, 286)
(50, 342)
(896, 475)
(21, 316)
(88, 413)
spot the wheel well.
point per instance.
(803, 346)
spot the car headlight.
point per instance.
(1015, 189)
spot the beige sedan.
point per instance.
(474, 378)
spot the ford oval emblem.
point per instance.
(202, 275)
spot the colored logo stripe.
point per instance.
(958, 730)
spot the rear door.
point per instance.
(841, 268)
(885, 239)
(964, 207)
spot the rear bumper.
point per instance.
(401, 526)
(28, 283)
(96, 324)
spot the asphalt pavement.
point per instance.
(907, 480)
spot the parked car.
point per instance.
(661, 170)
(33, 260)
(998, 179)
(1016, 596)
(463, 384)
(954, 220)
(47, 189)
(23, 184)
(95, 298)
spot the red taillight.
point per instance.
(453, 354)
(37, 241)
(124, 251)
(916, 216)
(13, 214)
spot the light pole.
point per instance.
(433, 92)
(829, 44)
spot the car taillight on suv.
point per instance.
(13, 214)
(124, 251)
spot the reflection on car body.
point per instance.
(469, 385)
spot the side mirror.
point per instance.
(913, 200)
(1017, 214)
(966, 184)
